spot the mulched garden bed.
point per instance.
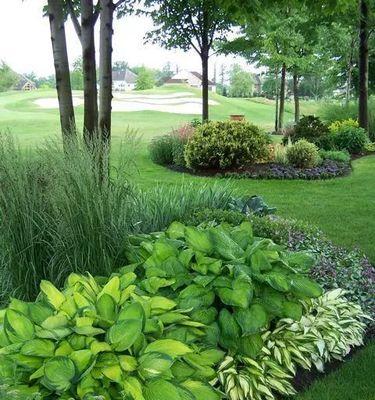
(327, 170)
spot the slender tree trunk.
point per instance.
(363, 64)
(205, 111)
(277, 100)
(90, 118)
(105, 69)
(60, 57)
(296, 97)
(282, 96)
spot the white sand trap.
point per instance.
(177, 103)
(52, 102)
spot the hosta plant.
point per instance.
(330, 327)
(103, 339)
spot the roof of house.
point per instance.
(199, 76)
(22, 81)
(126, 75)
(174, 80)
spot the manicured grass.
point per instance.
(353, 381)
(343, 207)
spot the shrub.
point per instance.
(303, 154)
(370, 147)
(336, 126)
(226, 144)
(335, 155)
(313, 130)
(351, 139)
(161, 149)
(280, 156)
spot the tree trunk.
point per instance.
(363, 65)
(296, 97)
(282, 96)
(105, 69)
(205, 112)
(90, 118)
(277, 100)
(60, 57)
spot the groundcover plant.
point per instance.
(198, 314)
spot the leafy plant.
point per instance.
(280, 154)
(161, 150)
(335, 155)
(336, 126)
(351, 139)
(313, 130)
(103, 337)
(251, 205)
(370, 147)
(303, 154)
(226, 144)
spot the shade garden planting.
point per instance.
(311, 150)
(199, 312)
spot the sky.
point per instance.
(25, 42)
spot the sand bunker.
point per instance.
(177, 103)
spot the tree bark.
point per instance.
(282, 97)
(296, 97)
(363, 64)
(277, 100)
(105, 69)
(90, 118)
(61, 61)
(205, 111)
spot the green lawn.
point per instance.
(343, 207)
(353, 381)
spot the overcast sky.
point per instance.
(25, 42)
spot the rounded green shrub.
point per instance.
(303, 154)
(335, 155)
(226, 144)
(352, 139)
(337, 125)
(313, 130)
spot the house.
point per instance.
(123, 81)
(24, 83)
(191, 78)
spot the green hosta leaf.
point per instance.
(152, 365)
(127, 279)
(243, 234)
(278, 281)
(176, 230)
(99, 347)
(199, 240)
(18, 327)
(112, 288)
(55, 322)
(205, 315)
(53, 295)
(161, 390)
(106, 307)
(128, 363)
(259, 262)
(252, 320)
(224, 245)
(305, 287)
(292, 310)
(153, 284)
(86, 386)
(201, 391)
(230, 330)
(27, 362)
(301, 261)
(7, 367)
(272, 301)
(206, 358)
(250, 345)
(82, 360)
(133, 388)
(195, 296)
(59, 373)
(173, 348)
(123, 334)
(84, 327)
(162, 304)
(241, 293)
(38, 312)
(39, 348)
(132, 311)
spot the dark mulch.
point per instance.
(327, 170)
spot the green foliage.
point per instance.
(241, 82)
(351, 139)
(303, 154)
(335, 155)
(102, 337)
(331, 326)
(313, 130)
(279, 154)
(145, 79)
(336, 126)
(226, 144)
(8, 78)
(161, 149)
